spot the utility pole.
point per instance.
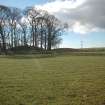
(81, 44)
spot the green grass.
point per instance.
(62, 80)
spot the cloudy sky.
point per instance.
(86, 19)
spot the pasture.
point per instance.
(59, 80)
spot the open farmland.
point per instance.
(62, 80)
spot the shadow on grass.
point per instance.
(53, 55)
(38, 56)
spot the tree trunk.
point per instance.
(45, 41)
(35, 36)
(49, 40)
(25, 42)
(3, 40)
(41, 37)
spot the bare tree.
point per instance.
(32, 14)
(54, 30)
(15, 15)
(4, 14)
(32, 27)
(24, 25)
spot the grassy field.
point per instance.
(62, 80)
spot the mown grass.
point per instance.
(62, 80)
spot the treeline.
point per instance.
(29, 27)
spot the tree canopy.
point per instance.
(29, 27)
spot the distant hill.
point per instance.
(84, 51)
(79, 50)
(66, 50)
(72, 51)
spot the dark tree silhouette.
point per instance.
(30, 27)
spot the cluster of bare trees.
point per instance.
(30, 27)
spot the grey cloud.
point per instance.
(91, 12)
